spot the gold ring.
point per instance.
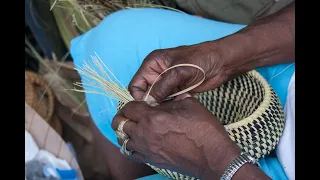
(121, 124)
(124, 150)
(121, 135)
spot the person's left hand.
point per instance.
(182, 136)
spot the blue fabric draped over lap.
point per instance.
(125, 38)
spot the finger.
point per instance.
(129, 127)
(135, 156)
(170, 82)
(150, 100)
(138, 87)
(181, 105)
(138, 157)
(131, 146)
(155, 63)
(136, 111)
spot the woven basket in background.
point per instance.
(39, 96)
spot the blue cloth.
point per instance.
(125, 38)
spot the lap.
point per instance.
(125, 38)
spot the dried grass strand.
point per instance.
(110, 88)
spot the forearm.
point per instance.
(269, 41)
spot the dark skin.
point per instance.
(267, 42)
(177, 135)
(182, 135)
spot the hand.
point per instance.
(179, 135)
(268, 41)
(206, 55)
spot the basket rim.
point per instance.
(262, 107)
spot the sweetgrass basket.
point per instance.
(40, 97)
(250, 111)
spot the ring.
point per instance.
(124, 150)
(121, 124)
(121, 135)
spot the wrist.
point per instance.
(250, 172)
(239, 52)
(220, 160)
(245, 172)
(233, 53)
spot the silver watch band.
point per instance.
(236, 165)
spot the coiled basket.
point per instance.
(250, 111)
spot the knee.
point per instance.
(142, 17)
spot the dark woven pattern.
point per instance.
(250, 111)
(234, 100)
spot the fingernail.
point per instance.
(151, 101)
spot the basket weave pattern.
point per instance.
(35, 86)
(250, 111)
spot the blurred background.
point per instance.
(49, 72)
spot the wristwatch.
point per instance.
(236, 164)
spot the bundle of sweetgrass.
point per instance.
(98, 79)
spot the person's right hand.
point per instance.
(206, 55)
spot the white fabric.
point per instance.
(286, 147)
(48, 158)
(31, 149)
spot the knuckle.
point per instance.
(131, 104)
(132, 87)
(159, 93)
(115, 122)
(158, 55)
(140, 133)
(137, 105)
